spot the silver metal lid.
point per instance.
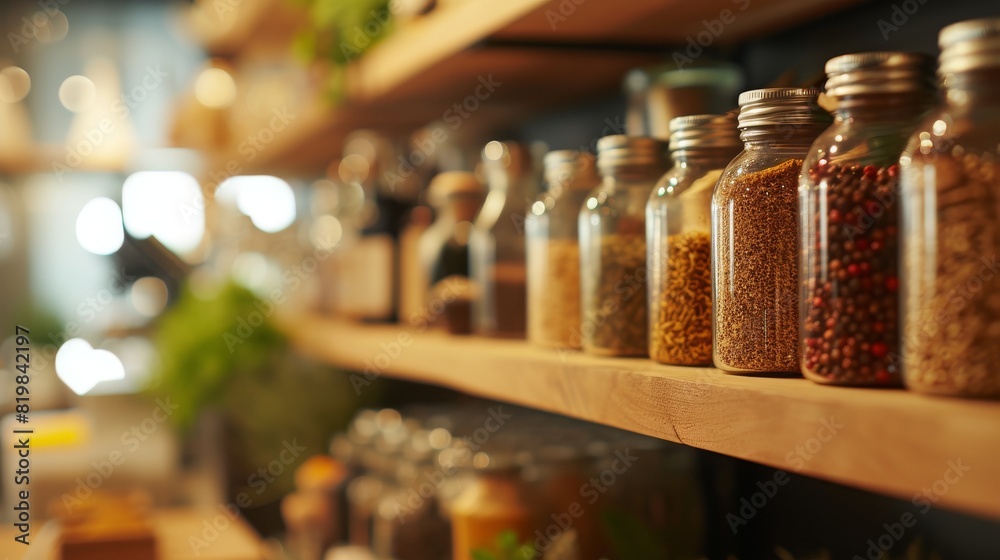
(879, 73)
(773, 107)
(704, 131)
(619, 150)
(570, 169)
(969, 45)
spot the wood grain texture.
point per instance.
(887, 441)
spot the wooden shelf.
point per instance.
(890, 441)
(542, 60)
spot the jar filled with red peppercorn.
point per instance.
(849, 231)
(950, 193)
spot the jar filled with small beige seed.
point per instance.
(755, 232)
(950, 197)
(613, 246)
(678, 239)
(553, 246)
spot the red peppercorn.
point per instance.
(852, 269)
(834, 216)
(818, 301)
(893, 170)
(879, 349)
(892, 283)
(871, 171)
(876, 245)
(882, 376)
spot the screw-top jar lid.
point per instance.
(619, 151)
(704, 131)
(570, 169)
(969, 45)
(764, 110)
(879, 73)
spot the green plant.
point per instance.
(339, 32)
(506, 548)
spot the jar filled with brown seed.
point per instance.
(554, 249)
(678, 239)
(613, 246)
(849, 235)
(755, 232)
(950, 197)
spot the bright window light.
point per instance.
(166, 204)
(99, 226)
(268, 201)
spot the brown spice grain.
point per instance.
(614, 321)
(681, 325)
(554, 292)
(756, 270)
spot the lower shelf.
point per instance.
(942, 451)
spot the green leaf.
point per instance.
(482, 554)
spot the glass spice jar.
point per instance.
(613, 246)
(678, 239)
(554, 249)
(497, 242)
(849, 229)
(950, 188)
(755, 232)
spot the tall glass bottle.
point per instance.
(849, 229)
(497, 242)
(613, 246)
(950, 182)
(755, 232)
(678, 239)
(554, 249)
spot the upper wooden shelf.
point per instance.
(887, 441)
(540, 52)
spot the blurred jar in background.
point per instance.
(494, 503)
(678, 239)
(444, 250)
(612, 226)
(370, 266)
(950, 176)
(497, 242)
(553, 249)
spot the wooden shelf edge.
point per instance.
(886, 441)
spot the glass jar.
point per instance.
(494, 503)
(444, 251)
(554, 249)
(950, 177)
(497, 242)
(613, 246)
(678, 239)
(849, 228)
(755, 232)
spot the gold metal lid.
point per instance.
(619, 151)
(704, 131)
(969, 45)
